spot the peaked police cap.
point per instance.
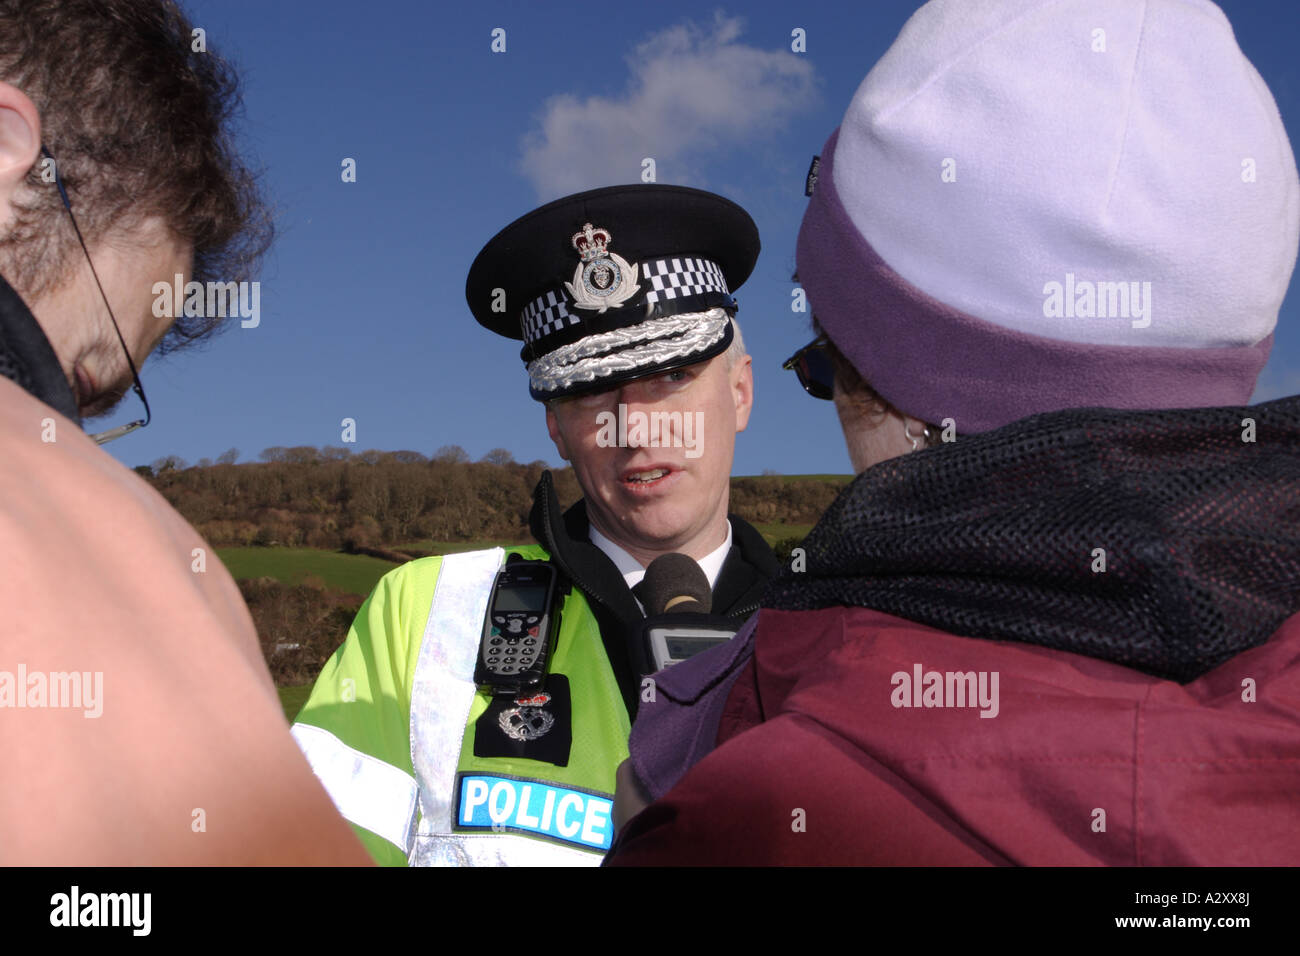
(614, 284)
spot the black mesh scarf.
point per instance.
(995, 535)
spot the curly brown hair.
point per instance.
(140, 125)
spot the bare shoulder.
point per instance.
(139, 722)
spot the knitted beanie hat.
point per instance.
(1033, 205)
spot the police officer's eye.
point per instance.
(593, 399)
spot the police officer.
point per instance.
(622, 298)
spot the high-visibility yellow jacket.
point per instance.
(407, 747)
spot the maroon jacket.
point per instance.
(1186, 774)
(1148, 715)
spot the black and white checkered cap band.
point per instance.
(546, 315)
(681, 277)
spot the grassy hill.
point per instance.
(292, 700)
(289, 530)
(352, 573)
(358, 574)
(794, 479)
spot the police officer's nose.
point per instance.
(636, 407)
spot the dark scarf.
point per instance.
(745, 572)
(26, 357)
(994, 536)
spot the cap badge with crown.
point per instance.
(602, 280)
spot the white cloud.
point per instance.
(692, 92)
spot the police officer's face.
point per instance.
(653, 456)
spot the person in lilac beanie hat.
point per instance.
(1032, 206)
(1055, 620)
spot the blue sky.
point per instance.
(363, 313)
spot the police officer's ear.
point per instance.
(20, 144)
(553, 427)
(741, 379)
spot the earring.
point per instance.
(916, 442)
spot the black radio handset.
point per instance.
(519, 629)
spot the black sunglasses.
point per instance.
(107, 436)
(812, 364)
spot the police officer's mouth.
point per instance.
(644, 478)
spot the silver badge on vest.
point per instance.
(537, 725)
(529, 719)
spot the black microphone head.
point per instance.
(674, 583)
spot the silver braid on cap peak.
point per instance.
(644, 345)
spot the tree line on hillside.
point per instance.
(334, 498)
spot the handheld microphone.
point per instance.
(674, 583)
(678, 603)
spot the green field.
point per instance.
(353, 573)
(292, 699)
(454, 547)
(845, 479)
(772, 533)
(358, 573)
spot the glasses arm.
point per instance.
(109, 435)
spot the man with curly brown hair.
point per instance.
(138, 723)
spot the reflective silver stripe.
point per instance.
(442, 692)
(442, 689)
(367, 791)
(496, 849)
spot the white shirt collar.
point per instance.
(633, 572)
